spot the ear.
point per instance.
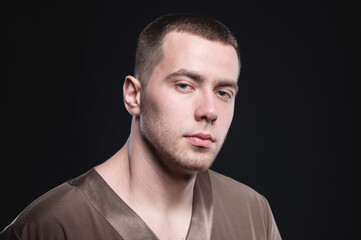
(131, 94)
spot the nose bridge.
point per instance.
(206, 106)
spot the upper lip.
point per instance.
(204, 136)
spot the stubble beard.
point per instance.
(170, 151)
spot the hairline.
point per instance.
(160, 51)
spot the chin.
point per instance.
(193, 166)
(185, 172)
(186, 163)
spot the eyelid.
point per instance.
(190, 87)
(182, 82)
(230, 93)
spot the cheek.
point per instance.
(177, 109)
(227, 117)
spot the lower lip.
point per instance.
(199, 142)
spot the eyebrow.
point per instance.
(185, 73)
(198, 78)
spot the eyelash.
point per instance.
(187, 87)
(184, 86)
(228, 95)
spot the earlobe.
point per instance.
(131, 94)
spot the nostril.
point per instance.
(206, 108)
(209, 117)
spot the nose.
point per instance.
(206, 108)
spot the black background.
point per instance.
(293, 138)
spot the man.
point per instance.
(158, 186)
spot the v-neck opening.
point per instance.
(129, 224)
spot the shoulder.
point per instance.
(232, 189)
(47, 214)
(233, 197)
(52, 203)
(63, 211)
(240, 212)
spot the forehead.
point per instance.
(183, 50)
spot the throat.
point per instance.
(172, 225)
(165, 205)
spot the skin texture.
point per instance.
(190, 96)
(180, 121)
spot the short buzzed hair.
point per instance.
(149, 49)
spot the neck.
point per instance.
(137, 177)
(150, 182)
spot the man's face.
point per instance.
(187, 106)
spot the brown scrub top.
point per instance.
(87, 208)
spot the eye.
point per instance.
(224, 94)
(184, 87)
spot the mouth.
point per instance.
(200, 140)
